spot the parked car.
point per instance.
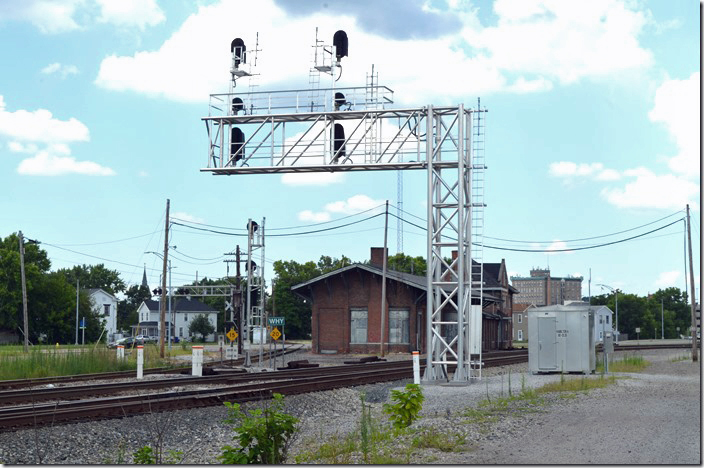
(115, 344)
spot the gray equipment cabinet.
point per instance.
(561, 339)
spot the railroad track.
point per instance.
(53, 405)
(38, 381)
(38, 407)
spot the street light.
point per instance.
(171, 313)
(615, 291)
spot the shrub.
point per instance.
(406, 407)
(263, 435)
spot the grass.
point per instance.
(582, 384)
(435, 439)
(52, 361)
(632, 363)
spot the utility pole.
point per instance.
(78, 284)
(240, 309)
(24, 296)
(163, 282)
(662, 318)
(383, 280)
(695, 356)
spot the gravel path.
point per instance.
(649, 418)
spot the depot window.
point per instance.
(358, 325)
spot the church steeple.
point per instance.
(144, 277)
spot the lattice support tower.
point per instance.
(256, 309)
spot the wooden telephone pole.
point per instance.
(163, 283)
(692, 299)
(24, 295)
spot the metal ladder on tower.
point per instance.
(478, 205)
(371, 100)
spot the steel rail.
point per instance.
(19, 383)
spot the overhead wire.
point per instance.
(559, 250)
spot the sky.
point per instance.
(592, 131)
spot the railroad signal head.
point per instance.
(239, 51)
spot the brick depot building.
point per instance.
(346, 309)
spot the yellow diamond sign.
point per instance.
(232, 334)
(275, 333)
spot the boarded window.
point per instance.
(399, 326)
(358, 326)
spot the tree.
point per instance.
(51, 300)
(94, 277)
(292, 307)
(407, 264)
(201, 325)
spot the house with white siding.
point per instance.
(105, 306)
(184, 311)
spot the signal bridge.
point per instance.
(358, 129)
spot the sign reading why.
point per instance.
(276, 321)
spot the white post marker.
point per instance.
(120, 352)
(416, 367)
(140, 362)
(197, 361)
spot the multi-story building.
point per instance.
(542, 289)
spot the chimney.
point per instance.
(376, 257)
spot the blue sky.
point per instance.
(593, 129)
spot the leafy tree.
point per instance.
(407, 264)
(289, 305)
(327, 264)
(94, 277)
(51, 300)
(201, 325)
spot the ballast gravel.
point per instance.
(651, 417)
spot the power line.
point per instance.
(281, 235)
(108, 242)
(281, 228)
(564, 250)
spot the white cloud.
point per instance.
(649, 190)
(570, 169)
(525, 52)
(677, 107)
(49, 16)
(128, 13)
(353, 205)
(186, 217)
(557, 245)
(40, 126)
(142, 173)
(566, 41)
(62, 70)
(60, 16)
(608, 175)
(307, 215)
(667, 279)
(312, 178)
(17, 147)
(55, 161)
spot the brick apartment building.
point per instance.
(542, 289)
(346, 309)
